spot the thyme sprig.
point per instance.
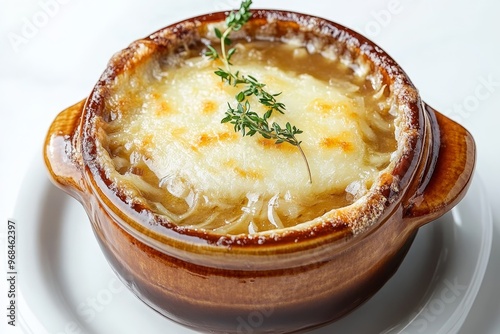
(234, 22)
(244, 119)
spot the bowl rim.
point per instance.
(378, 205)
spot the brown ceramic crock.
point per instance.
(290, 280)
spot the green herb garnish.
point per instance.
(244, 119)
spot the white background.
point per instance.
(53, 51)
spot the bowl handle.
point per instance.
(61, 150)
(448, 172)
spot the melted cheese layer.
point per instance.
(165, 139)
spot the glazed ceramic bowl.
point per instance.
(291, 279)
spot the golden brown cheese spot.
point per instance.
(231, 163)
(273, 81)
(244, 173)
(322, 106)
(126, 103)
(178, 132)
(338, 142)
(271, 144)
(352, 115)
(163, 109)
(147, 141)
(221, 85)
(209, 107)
(206, 139)
(248, 173)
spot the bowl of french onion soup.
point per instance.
(257, 162)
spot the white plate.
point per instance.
(67, 287)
